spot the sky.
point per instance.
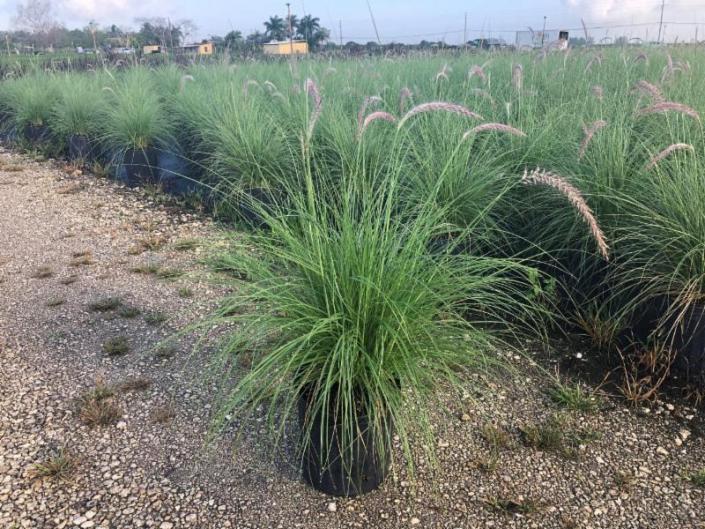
(399, 20)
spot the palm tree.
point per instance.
(309, 28)
(233, 40)
(275, 28)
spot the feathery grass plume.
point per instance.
(597, 58)
(404, 95)
(585, 30)
(182, 81)
(668, 106)
(484, 94)
(653, 162)
(271, 87)
(517, 77)
(653, 91)
(443, 73)
(683, 66)
(642, 57)
(312, 90)
(542, 177)
(598, 92)
(589, 133)
(477, 70)
(247, 84)
(374, 116)
(499, 127)
(438, 105)
(366, 103)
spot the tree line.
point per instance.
(36, 28)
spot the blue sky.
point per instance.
(400, 20)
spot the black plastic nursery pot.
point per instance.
(323, 464)
(689, 345)
(36, 133)
(79, 148)
(173, 170)
(249, 206)
(138, 166)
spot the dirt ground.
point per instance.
(93, 279)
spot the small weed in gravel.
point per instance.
(70, 280)
(497, 439)
(185, 245)
(155, 318)
(116, 346)
(43, 272)
(185, 292)
(13, 168)
(134, 384)
(556, 434)
(105, 304)
(169, 273)
(71, 189)
(574, 397)
(698, 478)
(55, 302)
(59, 466)
(512, 506)
(83, 258)
(97, 407)
(623, 479)
(164, 352)
(152, 242)
(129, 312)
(163, 414)
(147, 269)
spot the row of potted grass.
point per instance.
(404, 229)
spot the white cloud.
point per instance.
(111, 11)
(644, 14)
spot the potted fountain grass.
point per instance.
(77, 113)
(31, 101)
(662, 241)
(349, 325)
(136, 125)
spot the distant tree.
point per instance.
(275, 28)
(256, 38)
(309, 28)
(158, 31)
(187, 28)
(36, 16)
(233, 40)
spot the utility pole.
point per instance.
(340, 31)
(465, 31)
(543, 33)
(660, 23)
(374, 24)
(291, 33)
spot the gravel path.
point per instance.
(94, 277)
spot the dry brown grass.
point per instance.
(97, 407)
(134, 384)
(163, 414)
(42, 272)
(59, 466)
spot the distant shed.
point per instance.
(285, 47)
(203, 48)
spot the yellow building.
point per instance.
(285, 47)
(204, 48)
